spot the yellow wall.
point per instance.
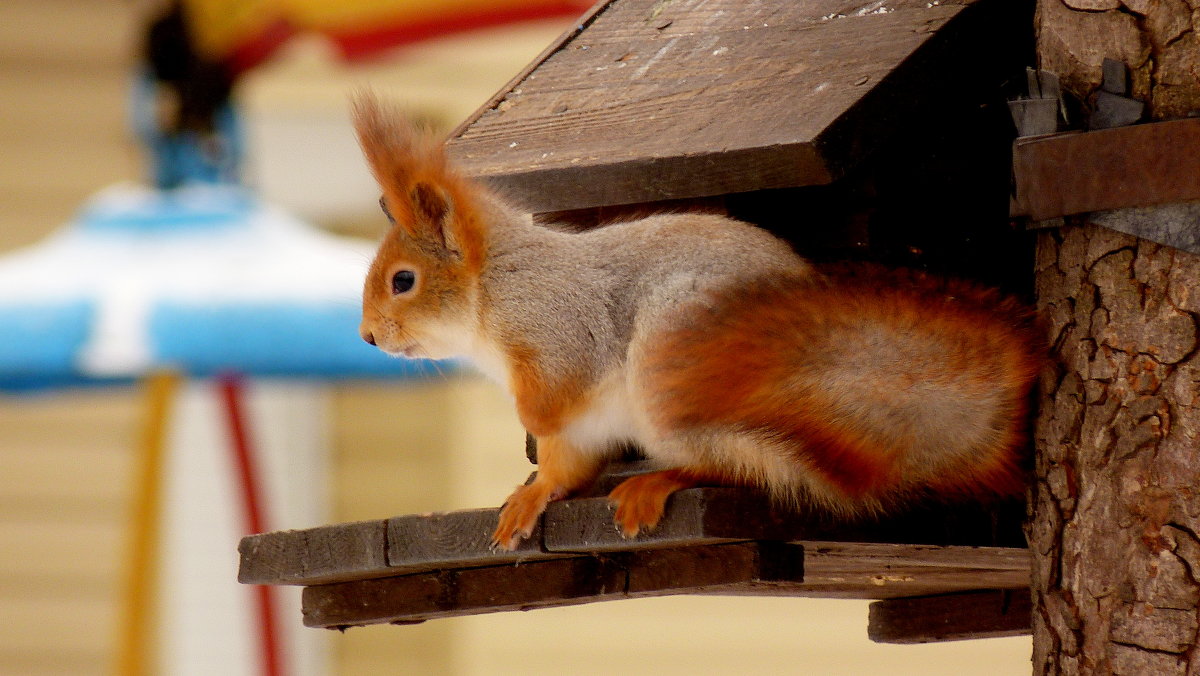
(65, 459)
(64, 480)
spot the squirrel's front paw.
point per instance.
(520, 514)
(641, 500)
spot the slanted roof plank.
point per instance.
(668, 100)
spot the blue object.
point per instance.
(272, 339)
(186, 157)
(186, 279)
(38, 342)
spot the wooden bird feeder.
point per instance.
(871, 128)
(711, 541)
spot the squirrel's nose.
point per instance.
(367, 336)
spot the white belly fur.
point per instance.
(608, 421)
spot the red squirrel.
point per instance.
(706, 342)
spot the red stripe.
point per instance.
(253, 52)
(231, 388)
(369, 39)
(365, 41)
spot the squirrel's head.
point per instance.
(420, 291)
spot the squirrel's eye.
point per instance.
(383, 206)
(403, 281)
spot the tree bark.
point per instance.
(1115, 508)
(1158, 40)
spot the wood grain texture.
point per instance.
(453, 539)
(883, 571)
(386, 547)
(545, 584)
(1135, 166)
(693, 516)
(440, 541)
(950, 617)
(314, 555)
(829, 570)
(656, 101)
(1115, 507)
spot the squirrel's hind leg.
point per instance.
(641, 499)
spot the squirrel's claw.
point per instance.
(641, 501)
(520, 514)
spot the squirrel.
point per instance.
(708, 343)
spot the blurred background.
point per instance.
(73, 459)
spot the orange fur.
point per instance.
(561, 471)
(852, 388)
(760, 359)
(407, 161)
(544, 406)
(641, 500)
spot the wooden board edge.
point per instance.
(1116, 184)
(314, 555)
(561, 41)
(546, 584)
(951, 617)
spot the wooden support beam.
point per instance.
(543, 584)
(1135, 166)
(951, 617)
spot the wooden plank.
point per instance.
(454, 540)
(657, 101)
(882, 570)
(885, 571)
(693, 517)
(315, 555)
(583, 22)
(423, 542)
(542, 584)
(738, 569)
(1139, 165)
(383, 548)
(710, 515)
(951, 617)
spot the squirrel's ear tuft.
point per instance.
(423, 194)
(396, 149)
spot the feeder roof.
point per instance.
(649, 100)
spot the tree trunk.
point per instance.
(1158, 40)
(1116, 504)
